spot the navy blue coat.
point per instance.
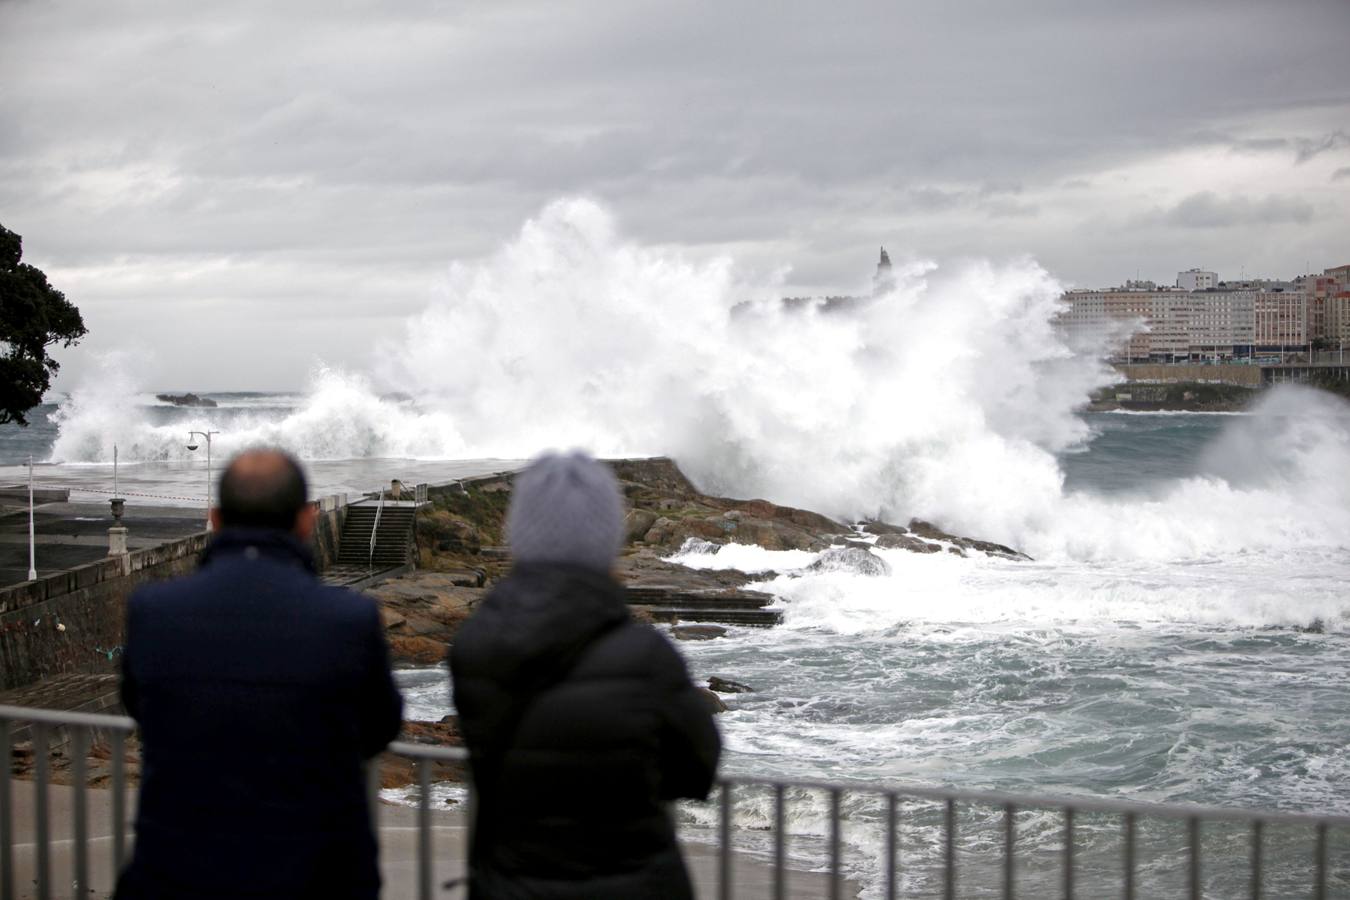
(260, 692)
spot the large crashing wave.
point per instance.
(947, 397)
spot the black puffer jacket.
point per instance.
(582, 724)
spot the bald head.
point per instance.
(262, 489)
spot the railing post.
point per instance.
(949, 853)
(6, 816)
(78, 782)
(1320, 863)
(724, 845)
(835, 841)
(119, 800)
(1129, 856)
(424, 829)
(1068, 852)
(1193, 839)
(892, 846)
(779, 843)
(41, 747)
(1257, 828)
(1009, 836)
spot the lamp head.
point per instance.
(192, 446)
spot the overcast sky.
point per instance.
(233, 193)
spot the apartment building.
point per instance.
(1281, 321)
(1223, 325)
(1256, 318)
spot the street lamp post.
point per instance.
(32, 547)
(205, 435)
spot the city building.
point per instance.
(1197, 280)
(1207, 320)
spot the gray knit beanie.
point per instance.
(566, 509)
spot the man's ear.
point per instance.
(304, 521)
(216, 523)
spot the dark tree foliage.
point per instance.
(33, 316)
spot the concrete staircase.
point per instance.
(393, 539)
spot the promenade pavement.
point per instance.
(398, 852)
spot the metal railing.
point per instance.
(374, 532)
(940, 859)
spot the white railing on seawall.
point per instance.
(994, 863)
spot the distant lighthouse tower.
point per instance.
(884, 280)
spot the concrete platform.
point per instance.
(74, 534)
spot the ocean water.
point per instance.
(1182, 633)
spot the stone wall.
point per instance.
(328, 530)
(1245, 376)
(73, 621)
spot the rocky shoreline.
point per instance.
(461, 552)
(1192, 396)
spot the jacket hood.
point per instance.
(534, 623)
(270, 543)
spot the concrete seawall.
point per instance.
(1243, 376)
(73, 621)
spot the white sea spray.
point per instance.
(947, 398)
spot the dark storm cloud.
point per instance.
(297, 147)
(1341, 173)
(1208, 210)
(1307, 149)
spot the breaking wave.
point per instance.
(947, 397)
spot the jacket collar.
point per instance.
(270, 543)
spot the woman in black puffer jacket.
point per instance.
(581, 723)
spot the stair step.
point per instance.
(672, 599)
(759, 617)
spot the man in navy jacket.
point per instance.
(260, 693)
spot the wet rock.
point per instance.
(777, 535)
(697, 632)
(422, 611)
(186, 400)
(908, 542)
(471, 578)
(636, 524)
(993, 549)
(854, 559)
(727, 686)
(448, 532)
(714, 702)
(416, 650)
(400, 771)
(932, 532)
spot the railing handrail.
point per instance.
(66, 717)
(375, 530)
(438, 753)
(1046, 801)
